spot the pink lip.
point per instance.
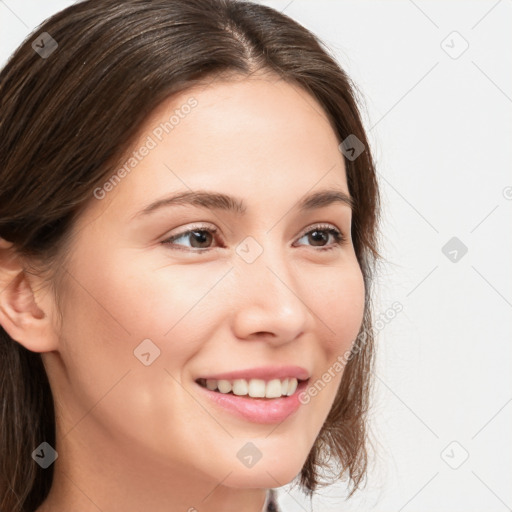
(263, 372)
(258, 410)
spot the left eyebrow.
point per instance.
(219, 201)
(325, 198)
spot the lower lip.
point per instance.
(258, 410)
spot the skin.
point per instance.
(133, 437)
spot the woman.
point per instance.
(188, 223)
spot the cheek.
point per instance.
(135, 301)
(340, 306)
(108, 312)
(177, 305)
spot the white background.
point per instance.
(441, 131)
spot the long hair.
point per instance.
(66, 118)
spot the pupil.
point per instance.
(322, 237)
(200, 237)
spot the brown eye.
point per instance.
(319, 237)
(198, 238)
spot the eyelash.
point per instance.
(339, 237)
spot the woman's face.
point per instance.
(149, 307)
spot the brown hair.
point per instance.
(64, 125)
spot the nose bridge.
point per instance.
(269, 298)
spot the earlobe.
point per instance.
(21, 315)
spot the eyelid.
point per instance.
(195, 227)
(339, 235)
(192, 227)
(320, 226)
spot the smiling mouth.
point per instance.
(253, 388)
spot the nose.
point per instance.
(269, 300)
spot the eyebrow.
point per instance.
(220, 201)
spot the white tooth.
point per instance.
(273, 389)
(211, 384)
(240, 387)
(257, 388)
(224, 386)
(284, 387)
(292, 386)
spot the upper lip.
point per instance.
(263, 372)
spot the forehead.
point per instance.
(262, 123)
(258, 137)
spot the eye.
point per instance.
(199, 237)
(320, 234)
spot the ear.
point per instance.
(24, 313)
